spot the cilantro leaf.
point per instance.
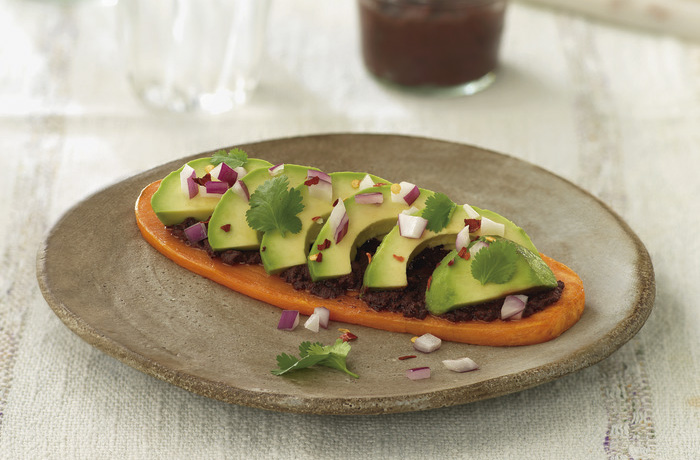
(332, 356)
(275, 207)
(496, 263)
(233, 158)
(438, 211)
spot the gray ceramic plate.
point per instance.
(123, 297)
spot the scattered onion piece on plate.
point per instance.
(289, 320)
(418, 373)
(324, 315)
(460, 365)
(427, 343)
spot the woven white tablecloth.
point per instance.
(616, 111)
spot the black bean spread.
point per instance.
(409, 301)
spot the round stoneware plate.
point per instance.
(122, 296)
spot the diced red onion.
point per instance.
(241, 190)
(460, 365)
(476, 247)
(320, 174)
(418, 373)
(312, 323)
(324, 316)
(427, 343)
(471, 213)
(196, 232)
(489, 227)
(323, 191)
(338, 221)
(289, 320)
(411, 226)
(370, 198)
(513, 307)
(224, 173)
(462, 239)
(408, 193)
(366, 182)
(276, 169)
(215, 187)
(187, 183)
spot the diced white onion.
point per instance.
(460, 365)
(366, 182)
(240, 189)
(471, 213)
(312, 323)
(476, 247)
(410, 211)
(412, 226)
(462, 239)
(427, 343)
(186, 180)
(489, 227)
(323, 191)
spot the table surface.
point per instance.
(614, 110)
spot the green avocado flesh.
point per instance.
(228, 228)
(172, 206)
(285, 251)
(365, 221)
(453, 286)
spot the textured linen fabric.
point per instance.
(615, 111)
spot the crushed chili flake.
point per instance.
(312, 181)
(369, 257)
(226, 227)
(379, 184)
(399, 258)
(263, 248)
(355, 183)
(325, 245)
(401, 358)
(342, 329)
(315, 218)
(335, 202)
(473, 224)
(316, 257)
(202, 180)
(450, 263)
(430, 280)
(348, 336)
(464, 253)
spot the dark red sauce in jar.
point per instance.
(431, 43)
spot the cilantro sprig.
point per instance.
(233, 158)
(438, 211)
(496, 263)
(333, 356)
(273, 206)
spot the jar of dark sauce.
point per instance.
(434, 46)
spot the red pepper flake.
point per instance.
(226, 227)
(348, 336)
(430, 280)
(335, 202)
(379, 184)
(312, 181)
(202, 180)
(399, 258)
(325, 245)
(473, 224)
(464, 253)
(402, 358)
(315, 218)
(450, 263)
(369, 257)
(262, 249)
(319, 257)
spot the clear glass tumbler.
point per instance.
(432, 46)
(193, 55)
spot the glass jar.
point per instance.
(434, 46)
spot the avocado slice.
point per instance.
(285, 251)
(365, 221)
(228, 228)
(453, 285)
(387, 270)
(172, 206)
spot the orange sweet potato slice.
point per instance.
(251, 280)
